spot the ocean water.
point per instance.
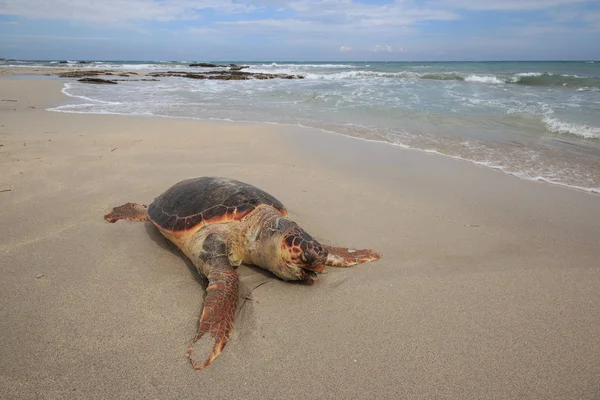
(534, 120)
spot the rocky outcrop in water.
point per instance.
(81, 74)
(226, 75)
(98, 81)
(207, 65)
(74, 62)
(84, 73)
(232, 67)
(114, 81)
(235, 67)
(136, 80)
(223, 75)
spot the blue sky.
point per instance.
(302, 30)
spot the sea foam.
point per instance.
(483, 79)
(584, 131)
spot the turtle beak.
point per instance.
(318, 268)
(308, 276)
(309, 272)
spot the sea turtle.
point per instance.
(220, 223)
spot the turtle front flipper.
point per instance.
(343, 257)
(216, 321)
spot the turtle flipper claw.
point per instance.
(216, 321)
(343, 257)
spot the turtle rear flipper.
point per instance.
(343, 257)
(130, 211)
(216, 321)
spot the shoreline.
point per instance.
(488, 286)
(485, 164)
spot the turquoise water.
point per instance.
(535, 120)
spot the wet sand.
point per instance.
(489, 286)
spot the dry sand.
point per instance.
(489, 287)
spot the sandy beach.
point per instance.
(489, 287)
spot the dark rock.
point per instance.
(135, 80)
(194, 76)
(80, 74)
(168, 73)
(96, 81)
(227, 75)
(235, 67)
(207, 65)
(84, 73)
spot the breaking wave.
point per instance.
(483, 79)
(584, 131)
(572, 81)
(527, 78)
(305, 66)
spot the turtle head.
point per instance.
(302, 255)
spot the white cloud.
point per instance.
(589, 17)
(322, 23)
(541, 30)
(393, 13)
(331, 11)
(507, 4)
(349, 10)
(385, 48)
(269, 23)
(55, 37)
(592, 17)
(117, 10)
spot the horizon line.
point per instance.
(299, 61)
